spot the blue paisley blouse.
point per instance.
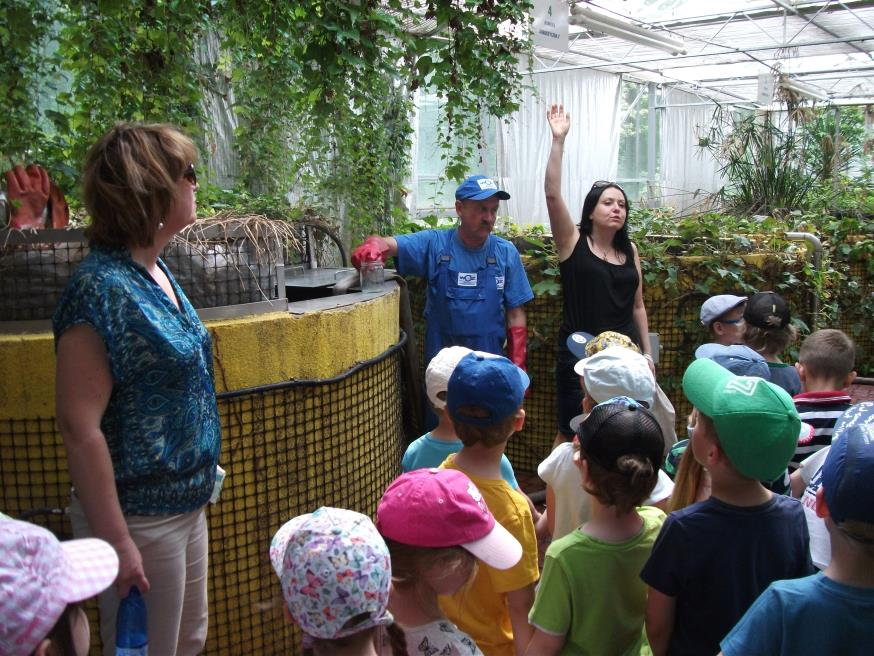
(161, 423)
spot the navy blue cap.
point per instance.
(479, 187)
(848, 471)
(576, 343)
(621, 427)
(487, 381)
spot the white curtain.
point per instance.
(591, 149)
(689, 173)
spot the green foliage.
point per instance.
(764, 165)
(821, 145)
(321, 90)
(23, 26)
(473, 66)
(321, 102)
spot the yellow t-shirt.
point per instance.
(480, 608)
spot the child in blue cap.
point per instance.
(484, 399)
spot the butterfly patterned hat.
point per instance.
(334, 568)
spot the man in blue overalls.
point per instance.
(476, 282)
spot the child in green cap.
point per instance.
(713, 558)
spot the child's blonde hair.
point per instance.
(687, 482)
(410, 564)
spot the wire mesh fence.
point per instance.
(288, 449)
(215, 267)
(673, 314)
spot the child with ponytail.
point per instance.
(591, 599)
(437, 528)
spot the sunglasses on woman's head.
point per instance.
(605, 183)
(190, 175)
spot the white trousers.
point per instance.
(174, 552)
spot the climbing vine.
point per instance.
(474, 67)
(24, 25)
(321, 91)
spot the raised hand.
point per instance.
(28, 191)
(559, 121)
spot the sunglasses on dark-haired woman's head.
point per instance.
(190, 174)
(605, 183)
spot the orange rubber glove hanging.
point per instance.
(28, 190)
(374, 249)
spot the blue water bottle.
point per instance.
(131, 628)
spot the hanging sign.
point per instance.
(766, 89)
(549, 24)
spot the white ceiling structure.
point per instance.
(826, 45)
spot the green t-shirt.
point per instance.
(591, 590)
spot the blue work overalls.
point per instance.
(465, 308)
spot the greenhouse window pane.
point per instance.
(634, 140)
(432, 189)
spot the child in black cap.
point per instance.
(768, 331)
(591, 599)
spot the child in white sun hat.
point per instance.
(612, 371)
(42, 582)
(335, 573)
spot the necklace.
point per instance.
(603, 254)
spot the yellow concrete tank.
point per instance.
(310, 403)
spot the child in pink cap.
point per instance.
(42, 582)
(437, 527)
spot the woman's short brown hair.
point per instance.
(129, 181)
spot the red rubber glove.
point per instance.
(517, 348)
(374, 249)
(59, 211)
(29, 192)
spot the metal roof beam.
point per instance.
(729, 49)
(706, 19)
(798, 74)
(812, 21)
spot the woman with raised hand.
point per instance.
(601, 280)
(135, 398)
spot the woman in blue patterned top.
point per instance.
(135, 399)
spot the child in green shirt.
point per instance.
(591, 599)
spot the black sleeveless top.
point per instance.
(597, 295)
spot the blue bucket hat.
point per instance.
(479, 187)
